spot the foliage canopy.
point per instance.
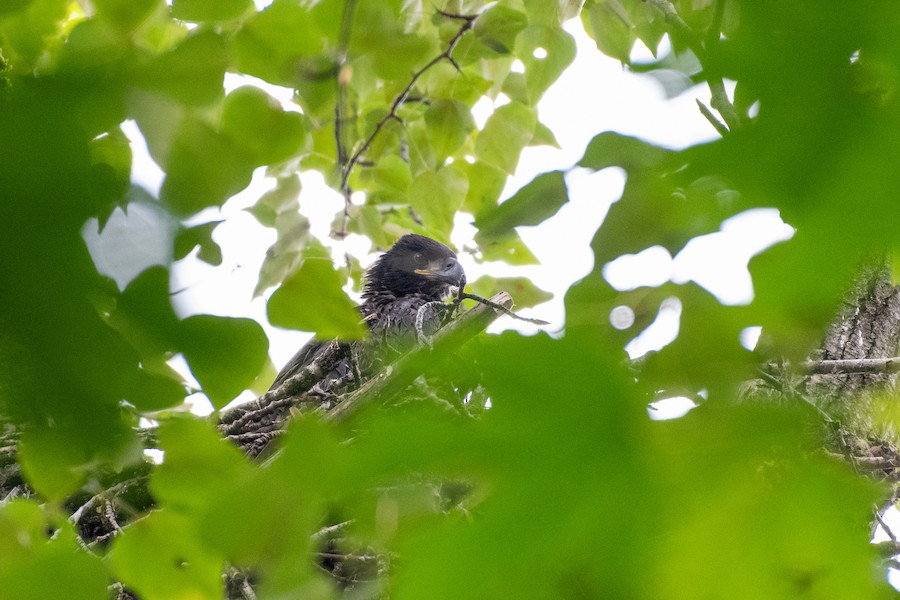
(574, 492)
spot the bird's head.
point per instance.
(415, 264)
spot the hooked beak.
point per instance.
(449, 272)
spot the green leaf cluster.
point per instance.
(563, 487)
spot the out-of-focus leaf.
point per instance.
(160, 558)
(379, 36)
(199, 466)
(279, 43)
(609, 25)
(437, 196)
(53, 461)
(545, 52)
(144, 313)
(209, 10)
(127, 15)
(610, 149)
(225, 354)
(26, 32)
(37, 567)
(449, 123)
(524, 292)
(531, 205)
(204, 168)
(192, 72)
(110, 172)
(199, 235)
(312, 300)
(507, 131)
(257, 123)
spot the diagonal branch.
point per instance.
(397, 376)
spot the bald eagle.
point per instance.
(402, 301)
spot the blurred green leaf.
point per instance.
(204, 168)
(36, 566)
(312, 300)
(127, 15)
(160, 557)
(27, 31)
(192, 72)
(507, 131)
(610, 149)
(209, 10)
(199, 235)
(533, 204)
(53, 461)
(257, 123)
(225, 354)
(199, 466)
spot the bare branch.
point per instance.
(857, 365)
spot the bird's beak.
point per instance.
(449, 272)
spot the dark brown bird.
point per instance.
(402, 303)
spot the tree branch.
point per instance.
(857, 365)
(397, 376)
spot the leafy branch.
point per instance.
(348, 163)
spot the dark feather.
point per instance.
(406, 283)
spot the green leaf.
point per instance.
(144, 313)
(27, 31)
(498, 27)
(199, 466)
(312, 300)
(191, 73)
(543, 136)
(545, 52)
(449, 123)
(610, 149)
(256, 122)
(160, 558)
(110, 172)
(209, 10)
(225, 354)
(436, 197)
(53, 460)
(533, 204)
(127, 15)
(30, 557)
(199, 235)
(509, 249)
(281, 42)
(204, 168)
(485, 186)
(507, 131)
(524, 292)
(607, 22)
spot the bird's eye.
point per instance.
(420, 260)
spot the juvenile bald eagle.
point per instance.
(402, 301)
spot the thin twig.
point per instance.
(499, 307)
(720, 127)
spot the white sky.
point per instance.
(595, 94)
